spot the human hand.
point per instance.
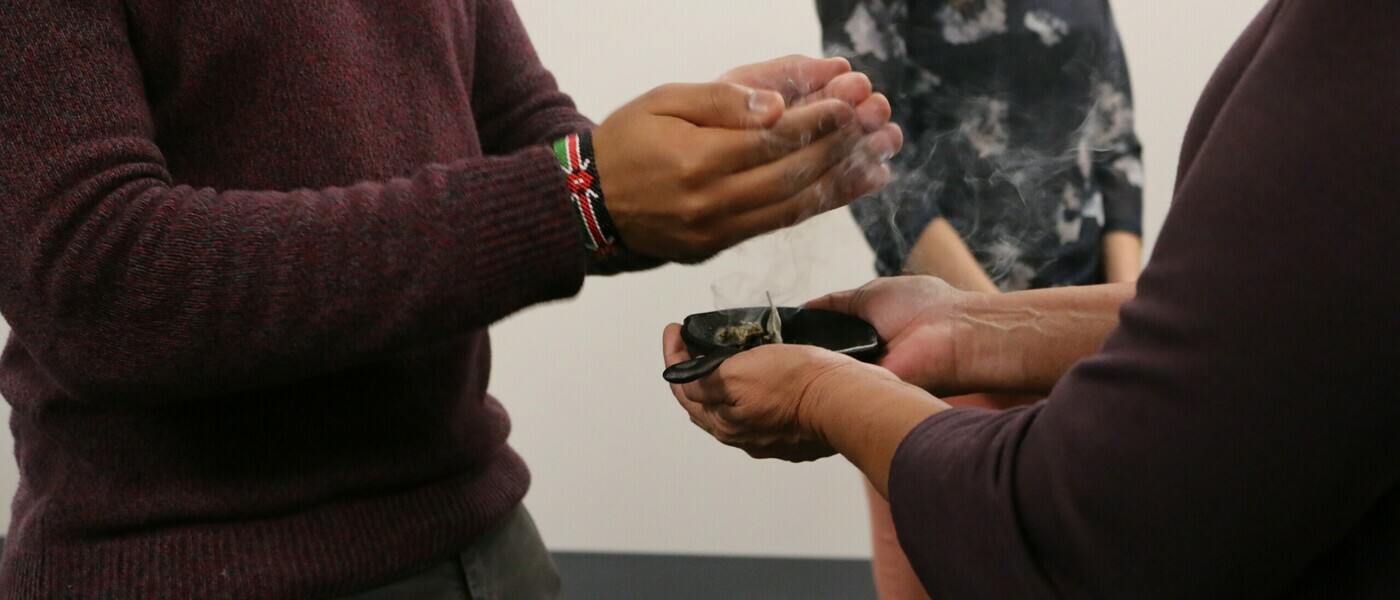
(764, 401)
(803, 80)
(922, 320)
(801, 403)
(689, 170)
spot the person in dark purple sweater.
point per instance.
(249, 253)
(1225, 429)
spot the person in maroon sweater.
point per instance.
(1231, 433)
(249, 253)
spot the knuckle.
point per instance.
(691, 171)
(693, 212)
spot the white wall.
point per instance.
(617, 465)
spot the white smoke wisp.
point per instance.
(779, 263)
(782, 262)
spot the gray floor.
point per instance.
(649, 577)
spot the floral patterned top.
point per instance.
(1018, 122)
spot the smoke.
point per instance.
(1015, 182)
(1016, 178)
(780, 263)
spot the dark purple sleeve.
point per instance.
(516, 101)
(518, 104)
(1240, 425)
(202, 291)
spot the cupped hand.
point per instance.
(688, 170)
(923, 321)
(766, 401)
(803, 80)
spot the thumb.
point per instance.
(841, 302)
(672, 346)
(718, 104)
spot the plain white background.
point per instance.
(617, 466)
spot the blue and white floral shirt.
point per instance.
(1018, 121)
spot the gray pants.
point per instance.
(507, 563)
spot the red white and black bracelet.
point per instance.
(575, 154)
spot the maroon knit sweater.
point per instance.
(248, 251)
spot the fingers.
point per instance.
(673, 346)
(851, 88)
(792, 76)
(874, 112)
(798, 128)
(706, 391)
(842, 302)
(720, 104)
(860, 173)
(789, 175)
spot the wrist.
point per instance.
(578, 160)
(820, 396)
(865, 414)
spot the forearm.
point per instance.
(150, 280)
(865, 416)
(1024, 342)
(1122, 257)
(128, 286)
(940, 252)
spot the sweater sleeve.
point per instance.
(1239, 426)
(516, 100)
(1117, 170)
(128, 287)
(518, 104)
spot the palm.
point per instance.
(916, 316)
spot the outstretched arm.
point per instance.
(952, 342)
(1218, 445)
(123, 283)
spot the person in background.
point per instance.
(1225, 428)
(1021, 168)
(249, 254)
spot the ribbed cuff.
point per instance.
(519, 242)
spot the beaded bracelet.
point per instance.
(575, 154)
